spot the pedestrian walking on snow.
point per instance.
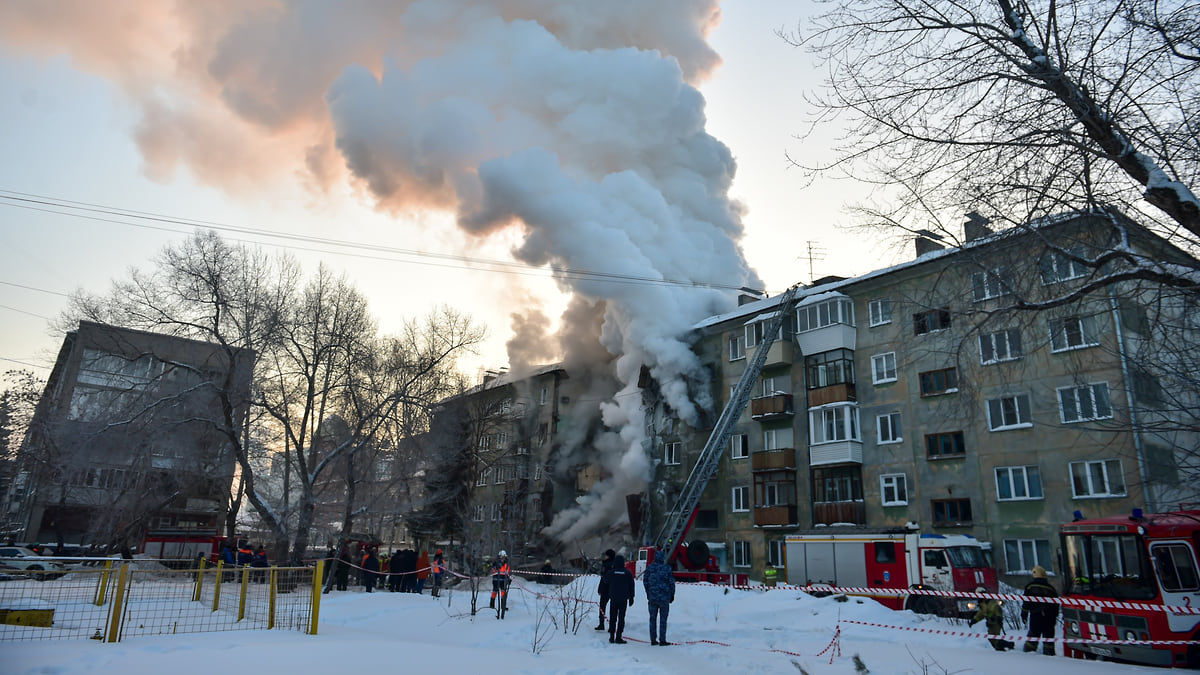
(620, 598)
(659, 582)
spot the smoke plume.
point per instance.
(576, 122)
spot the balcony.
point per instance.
(781, 353)
(828, 513)
(779, 515)
(771, 460)
(834, 393)
(837, 452)
(771, 407)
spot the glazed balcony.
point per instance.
(772, 460)
(778, 515)
(781, 353)
(776, 406)
(837, 452)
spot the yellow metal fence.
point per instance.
(125, 599)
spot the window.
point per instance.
(837, 484)
(934, 382)
(479, 513)
(484, 476)
(1000, 346)
(1102, 478)
(930, 321)
(1009, 412)
(707, 519)
(826, 313)
(1073, 332)
(880, 311)
(741, 499)
(1089, 402)
(888, 426)
(838, 422)
(774, 439)
(544, 396)
(883, 368)
(498, 474)
(739, 446)
(939, 446)
(775, 553)
(774, 488)
(951, 511)
(832, 367)
(885, 552)
(1022, 555)
(522, 450)
(1018, 482)
(1056, 267)
(770, 387)
(737, 349)
(894, 489)
(985, 285)
(1176, 567)
(756, 331)
(741, 554)
(672, 455)
(537, 471)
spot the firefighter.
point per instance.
(605, 567)
(993, 617)
(500, 579)
(245, 555)
(620, 595)
(1041, 616)
(370, 569)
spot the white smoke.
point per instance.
(575, 121)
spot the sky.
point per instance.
(713, 631)
(127, 123)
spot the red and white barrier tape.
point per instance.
(1017, 638)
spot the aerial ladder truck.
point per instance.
(694, 558)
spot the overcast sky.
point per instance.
(80, 126)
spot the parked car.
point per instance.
(25, 559)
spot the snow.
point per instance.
(721, 630)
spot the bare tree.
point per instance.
(1013, 108)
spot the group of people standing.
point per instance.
(404, 571)
(409, 571)
(617, 590)
(1042, 617)
(246, 556)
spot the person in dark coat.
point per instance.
(245, 555)
(395, 562)
(259, 563)
(1042, 616)
(620, 598)
(438, 569)
(408, 582)
(370, 570)
(659, 582)
(341, 572)
(605, 568)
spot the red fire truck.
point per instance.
(892, 558)
(1142, 564)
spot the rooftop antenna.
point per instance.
(814, 252)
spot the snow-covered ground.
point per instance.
(715, 631)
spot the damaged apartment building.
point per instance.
(992, 387)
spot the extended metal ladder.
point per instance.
(679, 518)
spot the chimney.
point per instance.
(749, 295)
(976, 227)
(926, 243)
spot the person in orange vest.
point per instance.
(245, 555)
(500, 578)
(438, 568)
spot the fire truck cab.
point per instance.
(892, 558)
(1141, 560)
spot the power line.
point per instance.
(34, 288)
(160, 222)
(14, 309)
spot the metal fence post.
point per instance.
(273, 578)
(102, 586)
(199, 582)
(118, 604)
(217, 586)
(318, 573)
(245, 589)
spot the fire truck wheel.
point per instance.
(1193, 652)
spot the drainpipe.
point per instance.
(1151, 502)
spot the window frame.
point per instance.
(879, 312)
(1021, 407)
(847, 421)
(737, 347)
(1026, 547)
(741, 553)
(744, 446)
(932, 321)
(672, 450)
(1105, 465)
(1026, 483)
(986, 285)
(1052, 262)
(894, 428)
(739, 499)
(1061, 337)
(898, 482)
(930, 379)
(958, 503)
(775, 549)
(1011, 337)
(883, 359)
(1092, 388)
(823, 313)
(958, 445)
(1189, 556)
